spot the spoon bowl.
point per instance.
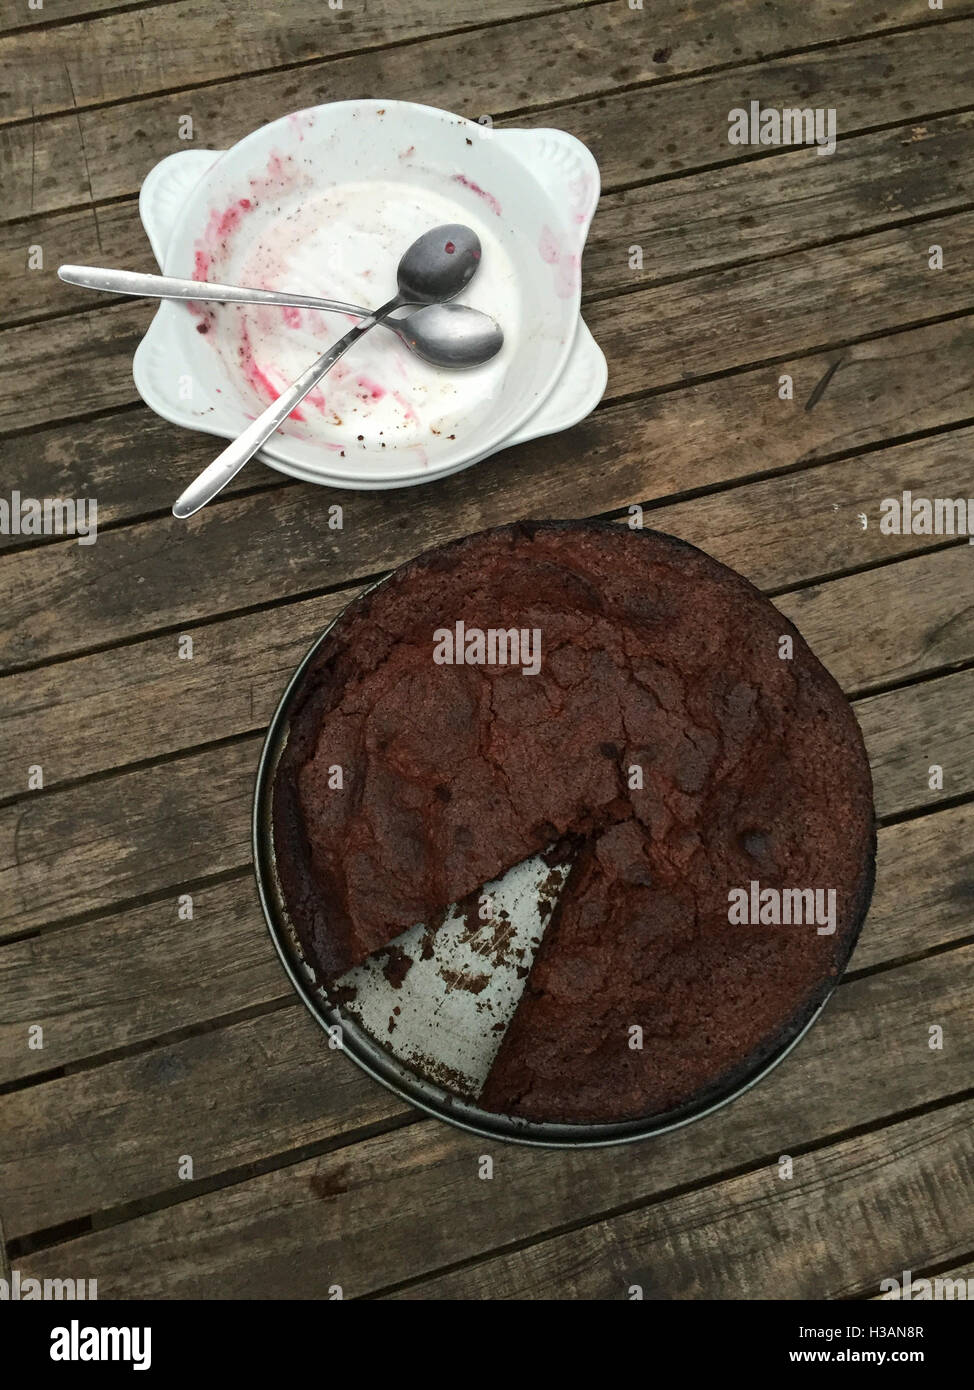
(439, 264)
(451, 335)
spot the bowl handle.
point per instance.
(576, 393)
(165, 190)
(565, 168)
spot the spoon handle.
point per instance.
(91, 277)
(228, 464)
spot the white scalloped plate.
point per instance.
(323, 202)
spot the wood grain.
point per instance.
(151, 830)
(121, 981)
(120, 56)
(753, 1237)
(386, 1208)
(195, 41)
(921, 618)
(650, 132)
(924, 887)
(778, 531)
(910, 731)
(166, 1036)
(67, 11)
(128, 1124)
(767, 206)
(749, 312)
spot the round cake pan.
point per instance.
(407, 1082)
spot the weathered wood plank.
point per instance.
(764, 207)
(705, 434)
(47, 166)
(94, 458)
(386, 1208)
(116, 57)
(144, 701)
(84, 849)
(908, 732)
(125, 979)
(756, 209)
(799, 302)
(854, 1214)
(103, 154)
(64, 11)
(924, 893)
(920, 619)
(783, 531)
(124, 1128)
(64, 597)
(111, 235)
(872, 83)
(194, 41)
(82, 365)
(904, 736)
(154, 829)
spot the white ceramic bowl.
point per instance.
(324, 202)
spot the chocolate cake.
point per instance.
(673, 725)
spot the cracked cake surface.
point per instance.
(663, 732)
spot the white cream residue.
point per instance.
(344, 243)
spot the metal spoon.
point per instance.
(445, 335)
(435, 268)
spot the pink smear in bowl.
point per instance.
(259, 379)
(567, 264)
(223, 224)
(482, 193)
(405, 407)
(287, 232)
(370, 390)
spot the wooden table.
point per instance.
(169, 1036)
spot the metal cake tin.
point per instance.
(408, 1083)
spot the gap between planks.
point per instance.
(930, 813)
(422, 1130)
(719, 290)
(470, 32)
(583, 111)
(107, 7)
(467, 31)
(744, 1202)
(280, 483)
(675, 510)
